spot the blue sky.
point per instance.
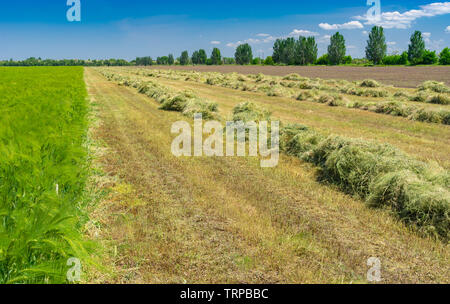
(126, 29)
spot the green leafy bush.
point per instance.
(396, 59)
(323, 60)
(444, 57)
(429, 57)
(269, 61)
(347, 60)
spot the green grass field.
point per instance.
(43, 126)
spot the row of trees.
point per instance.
(200, 57)
(304, 51)
(289, 51)
(66, 62)
(417, 53)
(295, 52)
(165, 60)
(376, 51)
(243, 55)
(144, 61)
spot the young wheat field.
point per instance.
(43, 172)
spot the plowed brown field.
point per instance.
(407, 77)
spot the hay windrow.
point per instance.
(379, 174)
(369, 83)
(438, 87)
(443, 99)
(186, 102)
(294, 85)
(248, 111)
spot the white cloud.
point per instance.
(391, 43)
(324, 39)
(404, 20)
(267, 39)
(365, 33)
(215, 42)
(432, 44)
(249, 41)
(346, 26)
(426, 37)
(435, 45)
(296, 32)
(448, 29)
(252, 41)
(234, 44)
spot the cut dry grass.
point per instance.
(248, 112)
(362, 159)
(438, 87)
(293, 85)
(424, 141)
(381, 174)
(440, 99)
(225, 220)
(363, 168)
(369, 83)
(186, 102)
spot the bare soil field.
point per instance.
(407, 77)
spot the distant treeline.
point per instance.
(65, 62)
(304, 52)
(288, 51)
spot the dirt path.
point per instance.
(226, 220)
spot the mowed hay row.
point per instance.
(380, 174)
(329, 92)
(417, 192)
(185, 102)
(43, 172)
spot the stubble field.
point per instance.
(226, 220)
